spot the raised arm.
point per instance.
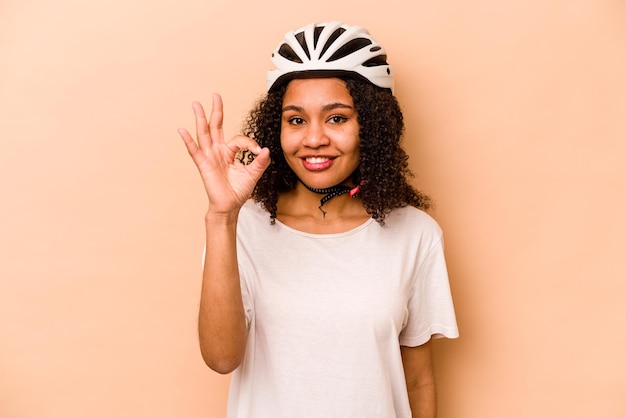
(228, 183)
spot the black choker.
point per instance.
(334, 191)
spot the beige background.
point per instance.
(516, 114)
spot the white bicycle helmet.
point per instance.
(328, 50)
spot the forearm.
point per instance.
(423, 401)
(221, 322)
(420, 380)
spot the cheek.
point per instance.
(353, 154)
(357, 157)
(286, 149)
(284, 144)
(356, 154)
(355, 145)
(288, 143)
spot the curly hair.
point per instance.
(383, 168)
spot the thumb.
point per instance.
(260, 163)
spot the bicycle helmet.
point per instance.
(330, 49)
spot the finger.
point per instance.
(261, 160)
(202, 127)
(241, 142)
(217, 119)
(191, 145)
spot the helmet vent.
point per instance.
(316, 35)
(287, 52)
(332, 38)
(376, 61)
(302, 42)
(349, 48)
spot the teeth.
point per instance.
(316, 160)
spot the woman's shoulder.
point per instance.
(412, 218)
(253, 215)
(252, 209)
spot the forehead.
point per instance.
(317, 91)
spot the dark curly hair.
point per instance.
(383, 163)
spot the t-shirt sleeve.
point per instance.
(430, 308)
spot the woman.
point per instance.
(324, 290)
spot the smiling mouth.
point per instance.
(316, 160)
(317, 163)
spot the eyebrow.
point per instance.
(326, 108)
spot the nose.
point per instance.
(315, 136)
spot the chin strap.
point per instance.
(334, 191)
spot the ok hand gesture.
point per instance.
(228, 182)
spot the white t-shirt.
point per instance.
(327, 314)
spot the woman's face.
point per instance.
(319, 131)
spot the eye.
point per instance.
(295, 120)
(337, 119)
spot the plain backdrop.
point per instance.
(516, 126)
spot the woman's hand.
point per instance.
(227, 181)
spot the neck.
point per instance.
(307, 202)
(331, 192)
(298, 208)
